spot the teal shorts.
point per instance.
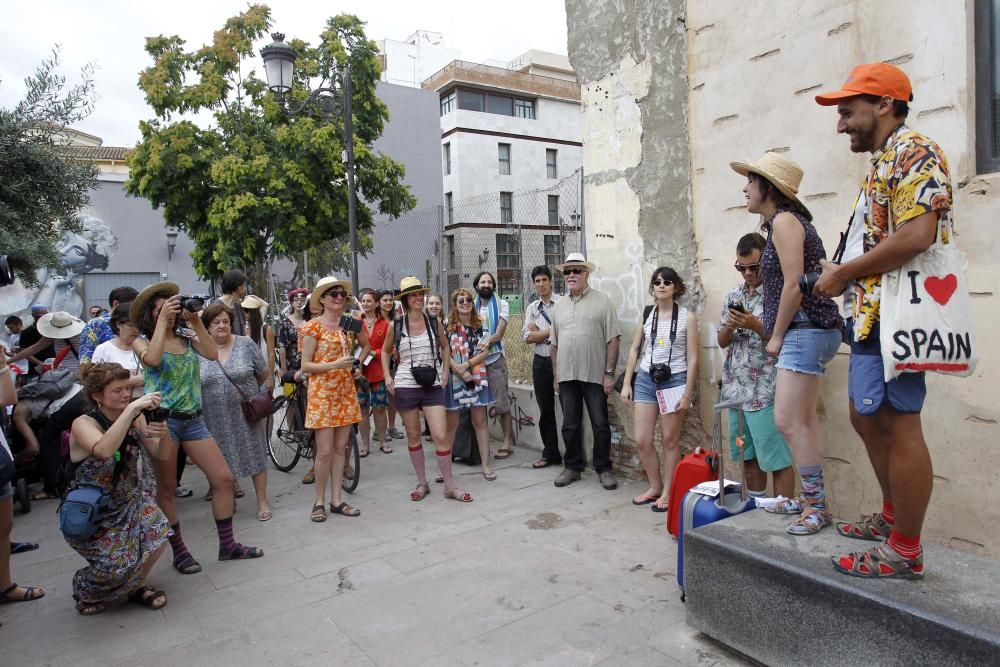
(761, 440)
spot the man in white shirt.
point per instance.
(495, 312)
(536, 328)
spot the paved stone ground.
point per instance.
(525, 574)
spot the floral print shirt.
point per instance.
(748, 374)
(97, 331)
(909, 176)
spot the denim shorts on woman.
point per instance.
(187, 430)
(6, 491)
(645, 389)
(808, 350)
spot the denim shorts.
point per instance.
(187, 430)
(411, 398)
(808, 350)
(645, 390)
(866, 385)
(6, 491)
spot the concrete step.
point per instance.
(777, 599)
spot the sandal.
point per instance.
(385, 450)
(879, 562)
(503, 453)
(542, 463)
(90, 609)
(421, 492)
(787, 506)
(309, 477)
(809, 522)
(264, 515)
(645, 500)
(30, 593)
(187, 565)
(439, 479)
(345, 510)
(240, 552)
(148, 597)
(460, 496)
(489, 476)
(22, 547)
(348, 472)
(871, 527)
(363, 453)
(318, 514)
(238, 491)
(43, 495)
(660, 506)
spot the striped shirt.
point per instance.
(414, 350)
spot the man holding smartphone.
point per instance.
(748, 375)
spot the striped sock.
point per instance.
(417, 459)
(444, 464)
(812, 486)
(907, 547)
(227, 542)
(887, 512)
(182, 557)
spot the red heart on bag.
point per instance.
(941, 289)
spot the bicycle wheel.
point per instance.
(353, 461)
(290, 437)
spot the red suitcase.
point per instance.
(697, 467)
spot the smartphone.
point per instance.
(738, 307)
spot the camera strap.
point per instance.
(653, 332)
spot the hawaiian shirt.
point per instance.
(909, 176)
(748, 373)
(97, 331)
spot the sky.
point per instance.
(111, 35)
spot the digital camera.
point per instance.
(194, 302)
(807, 282)
(156, 415)
(659, 373)
(348, 323)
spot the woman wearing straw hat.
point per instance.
(804, 330)
(332, 408)
(169, 355)
(424, 357)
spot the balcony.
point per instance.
(498, 78)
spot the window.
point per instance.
(500, 104)
(553, 256)
(554, 210)
(447, 159)
(448, 103)
(450, 243)
(449, 208)
(508, 261)
(504, 153)
(470, 100)
(524, 109)
(507, 208)
(987, 50)
(551, 168)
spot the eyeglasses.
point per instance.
(572, 272)
(662, 281)
(461, 301)
(337, 293)
(743, 268)
(299, 298)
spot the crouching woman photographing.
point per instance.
(105, 449)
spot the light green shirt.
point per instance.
(582, 327)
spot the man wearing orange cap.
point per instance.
(908, 186)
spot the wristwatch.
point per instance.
(610, 374)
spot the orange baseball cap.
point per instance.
(881, 79)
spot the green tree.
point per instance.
(41, 190)
(260, 183)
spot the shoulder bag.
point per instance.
(258, 407)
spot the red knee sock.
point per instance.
(444, 465)
(887, 512)
(417, 458)
(907, 547)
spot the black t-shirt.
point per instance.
(29, 337)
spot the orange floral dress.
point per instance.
(333, 400)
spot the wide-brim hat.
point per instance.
(156, 289)
(576, 259)
(59, 325)
(780, 171)
(411, 285)
(326, 284)
(254, 302)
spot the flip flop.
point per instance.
(22, 547)
(264, 515)
(644, 500)
(385, 450)
(656, 508)
(503, 453)
(542, 463)
(489, 476)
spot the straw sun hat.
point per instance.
(782, 173)
(411, 285)
(326, 284)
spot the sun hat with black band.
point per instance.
(781, 172)
(325, 285)
(60, 325)
(576, 259)
(166, 289)
(411, 285)
(253, 302)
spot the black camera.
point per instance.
(348, 323)
(6, 271)
(659, 373)
(807, 282)
(194, 302)
(156, 415)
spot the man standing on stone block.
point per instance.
(748, 375)
(585, 339)
(907, 186)
(536, 329)
(495, 312)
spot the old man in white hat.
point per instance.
(585, 339)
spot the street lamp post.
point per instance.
(326, 102)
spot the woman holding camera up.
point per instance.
(805, 330)
(105, 451)
(659, 379)
(174, 339)
(332, 408)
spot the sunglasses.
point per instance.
(572, 272)
(337, 293)
(742, 268)
(662, 281)
(461, 301)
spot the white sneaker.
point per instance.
(184, 491)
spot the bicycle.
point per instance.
(292, 440)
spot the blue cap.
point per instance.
(39, 306)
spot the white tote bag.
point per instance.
(926, 320)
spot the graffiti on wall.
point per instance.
(626, 290)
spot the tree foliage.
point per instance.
(260, 183)
(41, 190)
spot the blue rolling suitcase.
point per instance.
(701, 510)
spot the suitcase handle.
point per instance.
(717, 447)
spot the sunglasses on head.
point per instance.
(662, 281)
(572, 272)
(752, 268)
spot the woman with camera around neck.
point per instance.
(332, 408)
(105, 451)
(244, 445)
(174, 338)
(424, 360)
(661, 360)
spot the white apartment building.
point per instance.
(511, 155)
(409, 62)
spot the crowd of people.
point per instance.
(158, 379)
